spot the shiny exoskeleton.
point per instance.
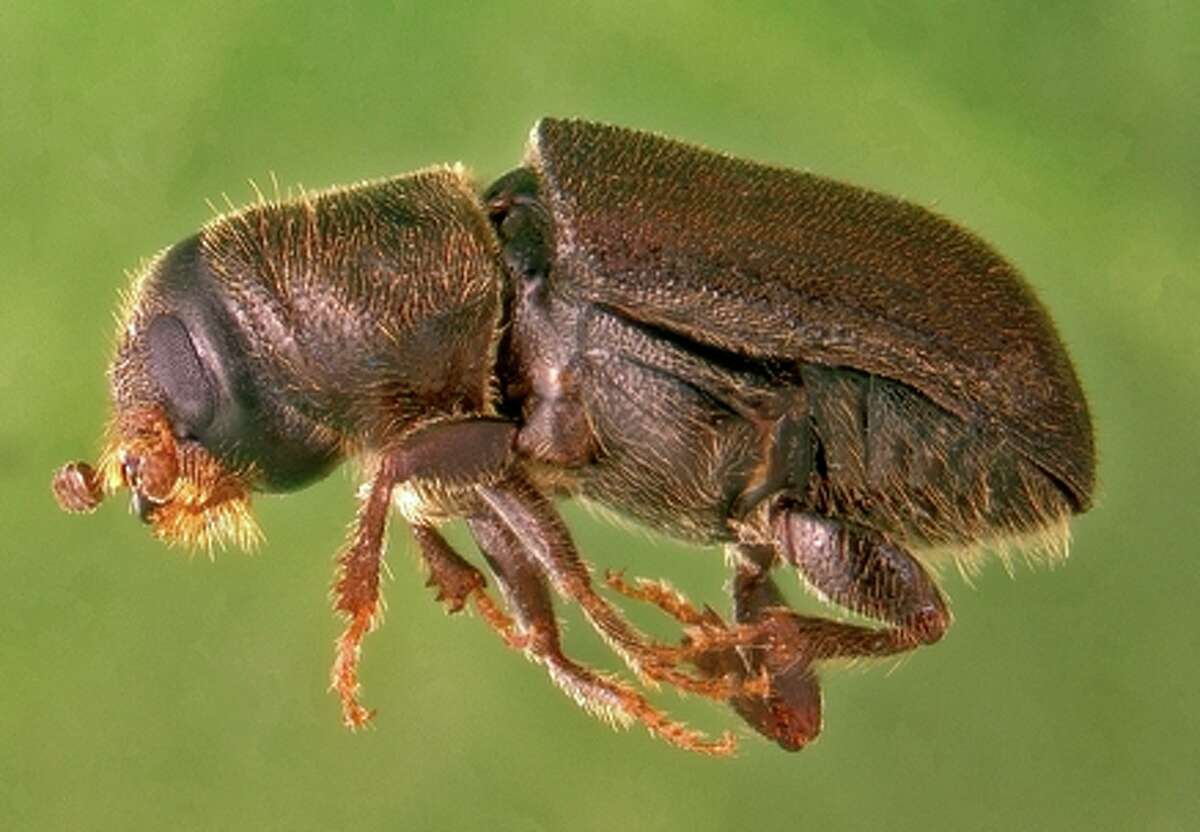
(807, 373)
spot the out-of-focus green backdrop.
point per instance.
(140, 688)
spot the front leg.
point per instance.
(452, 453)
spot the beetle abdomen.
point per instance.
(775, 264)
(889, 458)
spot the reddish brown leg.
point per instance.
(850, 566)
(462, 451)
(705, 631)
(458, 582)
(790, 713)
(524, 587)
(665, 597)
(533, 521)
(778, 696)
(356, 594)
(862, 571)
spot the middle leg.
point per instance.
(531, 519)
(522, 583)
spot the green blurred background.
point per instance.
(142, 688)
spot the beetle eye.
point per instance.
(176, 366)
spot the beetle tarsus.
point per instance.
(345, 670)
(660, 594)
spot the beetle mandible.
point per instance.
(807, 373)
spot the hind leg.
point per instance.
(863, 571)
(776, 694)
(790, 713)
(848, 565)
(851, 566)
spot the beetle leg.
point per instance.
(790, 712)
(708, 643)
(448, 452)
(854, 567)
(458, 582)
(704, 631)
(524, 587)
(862, 571)
(777, 696)
(533, 521)
(664, 596)
(356, 594)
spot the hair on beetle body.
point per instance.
(807, 373)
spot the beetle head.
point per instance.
(191, 435)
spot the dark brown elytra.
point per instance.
(804, 372)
